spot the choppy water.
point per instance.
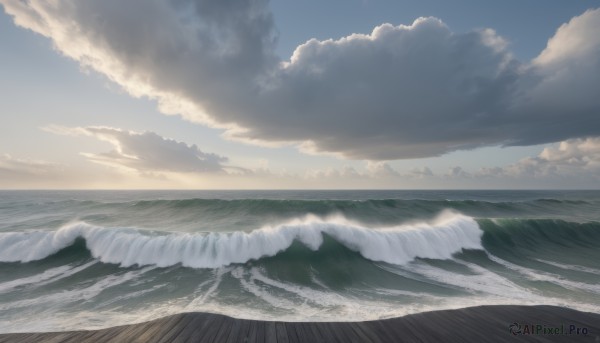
(72, 260)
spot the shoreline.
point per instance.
(539, 323)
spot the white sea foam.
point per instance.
(48, 276)
(264, 293)
(307, 294)
(556, 279)
(571, 267)
(482, 281)
(202, 296)
(76, 294)
(439, 239)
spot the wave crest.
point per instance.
(439, 239)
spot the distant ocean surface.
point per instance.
(94, 259)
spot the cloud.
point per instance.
(146, 152)
(423, 172)
(17, 166)
(578, 159)
(18, 173)
(399, 92)
(373, 170)
(202, 53)
(331, 173)
(570, 164)
(559, 98)
(570, 158)
(381, 169)
(457, 172)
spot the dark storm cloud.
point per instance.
(398, 92)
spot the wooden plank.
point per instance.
(213, 329)
(245, 329)
(315, 334)
(152, 332)
(270, 332)
(292, 333)
(253, 332)
(225, 329)
(193, 321)
(358, 334)
(407, 330)
(489, 323)
(260, 332)
(77, 337)
(19, 337)
(130, 334)
(15, 337)
(343, 331)
(304, 333)
(249, 332)
(102, 335)
(199, 328)
(234, 332)
(171, 335)
(381, 330)
(366, 331)
(57, 338)
(281, 331)
(324, 332)
(107, 335)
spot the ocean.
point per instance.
(72, 260)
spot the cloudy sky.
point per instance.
(305, 94)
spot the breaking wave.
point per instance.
(448, 234)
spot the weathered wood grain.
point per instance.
(475, 324)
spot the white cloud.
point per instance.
(381, 169)
(17, 173)
(573, 42)
(18, 166)
(559, 100)
(398, 92)
(575, 157)
(401, 91)
(333, 173)
(373, 170)
(423, 172)
(457, 172)
(572, 164)
(146, 152)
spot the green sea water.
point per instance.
(92, 259)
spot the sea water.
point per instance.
(93, 259)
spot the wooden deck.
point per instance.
(475, 324)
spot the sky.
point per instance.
(232, 94)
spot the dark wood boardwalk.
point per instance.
(475, 324)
